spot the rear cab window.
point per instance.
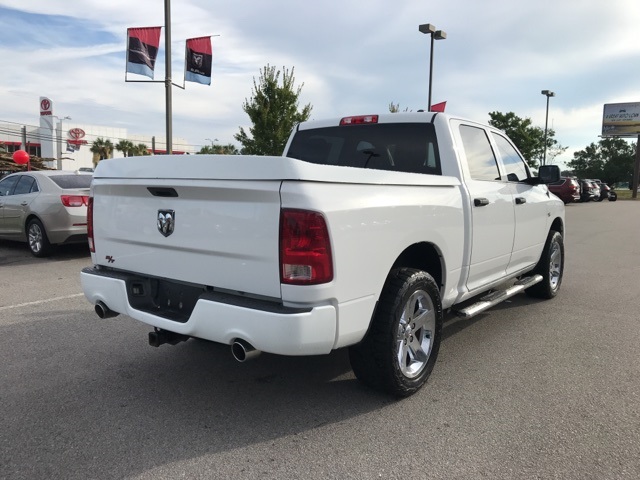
(400, 147)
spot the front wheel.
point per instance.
(37, 238)
(398, 353)
(551, 267)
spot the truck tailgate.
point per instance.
(224, 235)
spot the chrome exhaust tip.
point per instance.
(243, 351)
(104, 312)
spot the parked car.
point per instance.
(567, 189)
(603, 190)
(589, 190)
(44, 208)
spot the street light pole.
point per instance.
(430, 29)
(548, 94)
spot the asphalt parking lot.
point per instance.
(530, 389)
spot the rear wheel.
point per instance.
(37, 238)
(398, 353)
(551, 267)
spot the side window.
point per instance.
(24, 185)
(480, 157)
(514, 165)
(7, 184)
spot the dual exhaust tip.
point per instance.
(240, 349)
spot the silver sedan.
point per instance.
(44, 208)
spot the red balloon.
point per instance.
(20, 157)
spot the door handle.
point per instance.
(520, 200)
(480, 202)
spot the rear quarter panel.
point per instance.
(371, 225)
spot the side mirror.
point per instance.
(549, 173)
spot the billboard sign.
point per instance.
(621, 120)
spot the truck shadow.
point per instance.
(127, 408)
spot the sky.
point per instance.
(350, 56)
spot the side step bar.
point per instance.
(498, 296)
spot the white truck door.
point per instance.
(492, 209)
(530, 206)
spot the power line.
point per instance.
(39, 136)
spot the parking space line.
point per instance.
(38, 302)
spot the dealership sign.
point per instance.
(76, 133)
(621, 120)
(45, 106)
(75, 139)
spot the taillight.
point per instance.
(74, 200)
(305, 249)
(359, 120)
(92, 246)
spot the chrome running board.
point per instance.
(498, 296)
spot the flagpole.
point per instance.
(167, 75)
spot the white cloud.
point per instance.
(353, 57)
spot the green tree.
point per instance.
(229, 149)
(273, 111)
(395, 108)
(140, 150)
(126, 147)
(101, 149)
(528, 138)
(610, 160)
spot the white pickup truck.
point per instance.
(361, 235)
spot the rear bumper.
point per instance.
(66, 227)
(274, 329)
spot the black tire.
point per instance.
(551, 267)
(613, 197)
(37, 239)
(398, 353)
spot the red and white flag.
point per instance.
(142, 50)
(198, 60)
